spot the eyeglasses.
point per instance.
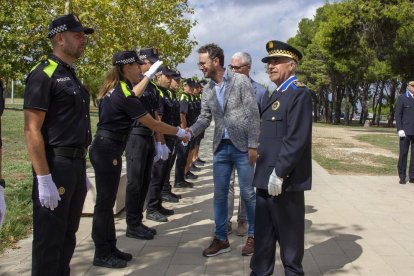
(232, 67)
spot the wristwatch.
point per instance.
(2, 183)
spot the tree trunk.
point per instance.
(380, 98)
(393, 91)
(364, 104)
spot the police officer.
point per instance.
(57, 131)
(119, 105)
(140, 151)
(167, 194)
(191, 117)
(404, 117)
(186, 114)
(284, 168)
(167, 112)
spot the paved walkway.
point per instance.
(355, 225)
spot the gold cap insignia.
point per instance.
(115, 162)
(61, 190)
(270, 44)
(275, 105)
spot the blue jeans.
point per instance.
(225, 158)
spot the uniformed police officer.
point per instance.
(404, 118)
(186, 118)
(167, 112)
(57, 131)
(140, 152)
(119, 105)
(167, 194)
(284, 168)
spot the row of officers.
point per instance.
(139, 113)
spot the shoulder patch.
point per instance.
(299, 84)
(184, 97)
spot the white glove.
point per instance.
(48, 193)
(158, 150)
(181, 133)
(153, 69)
(88, 184)
(401, 133)
(165, 152)
(184, 143)
(274, 187)
(2, 205)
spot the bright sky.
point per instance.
(245, 25)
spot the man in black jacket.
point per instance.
(404, 117)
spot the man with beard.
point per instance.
(229, 98)
(57, 131)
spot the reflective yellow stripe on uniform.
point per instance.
(159, 90)
(125, 89)
(50, 68)
(34, 67)
(184, 97)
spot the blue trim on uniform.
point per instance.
(409, 94)
(287, 83)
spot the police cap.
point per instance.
(190, 82)
(68, 22)
(176, 75)
(149, 53)
(125, 57)
(166, 71)
(277, 49)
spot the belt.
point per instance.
(71, 152)
(141, 131)
(112, 135)
(226, 141)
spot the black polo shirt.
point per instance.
(52, 87)
(169, 107)
(118, 108)
(150, 101)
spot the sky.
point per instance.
(246, 26)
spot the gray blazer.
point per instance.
(240, 115)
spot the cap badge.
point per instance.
(114, 162)
(270, 44)
(61, 190)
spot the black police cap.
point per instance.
(176, 75)
(125, 57)
(149, 53)
(190, 82)
(166, 71)
(277, 49)
(68, 22)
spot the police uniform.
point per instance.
(117, 109)
(404, 118)
(140, 152)
(187, 107)
(52, 87)
(284, 146)
(169, 110)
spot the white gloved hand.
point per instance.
(158, 150)
(165, 152)
(48, 193)
(88, 184)
(153, 69)
(274, 187)
(183, 134)
(2, 205)
(401, 133)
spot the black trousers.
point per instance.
(54, 232)
(140, 152)
(405, 143)
(279, 219)
(182, 155)
(158, 177)
(166, 187)
(106, 158)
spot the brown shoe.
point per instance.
(248, 249)
(242, 228)
(217, 247)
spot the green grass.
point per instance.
(385, 141)
(18, 176)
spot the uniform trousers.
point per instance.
(54, 232)
(158, 178)
(166, 188)
(405, 143)
(106, 158)
(140, 152)
(182, 155)
(279, 219)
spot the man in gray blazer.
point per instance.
(229, 99)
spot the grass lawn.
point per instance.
(18, 176)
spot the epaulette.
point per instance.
(299, 84)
